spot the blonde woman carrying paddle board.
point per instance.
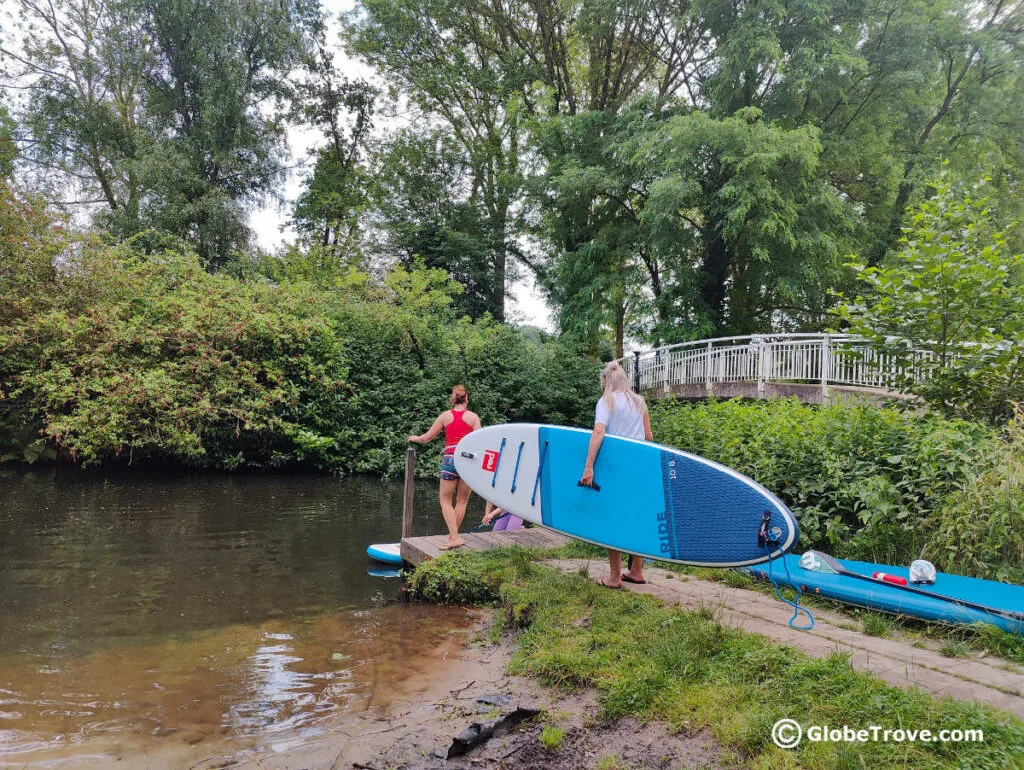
(619, 412)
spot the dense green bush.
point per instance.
(952, 290)
(158, 358)
(405, 361)
(454, 578)
(111, 355)
(979, 529)
(871, 482)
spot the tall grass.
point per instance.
(686, 668)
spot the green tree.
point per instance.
(694, 224)
(219, 91)
(747, 204)
(8, 148)
(949, 308)
(600, 269)
(170, 114)
(436, 54)
(486, 70)
(83, 65)
(909, 85)
(424, 219)
(330, 209)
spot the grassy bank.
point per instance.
(690, 671)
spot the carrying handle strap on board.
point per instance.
(592, 485)
(497, 462)
(540, 468)
(515, 473)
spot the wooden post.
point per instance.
(410, 477)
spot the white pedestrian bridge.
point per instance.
(811, 367)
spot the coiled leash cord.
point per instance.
(770, 538)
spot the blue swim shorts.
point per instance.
(448, 472)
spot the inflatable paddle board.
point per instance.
(389, 553)
(882, 596)
(649, 499)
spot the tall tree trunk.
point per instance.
(620, 323)
(715, 270)
(500, 249)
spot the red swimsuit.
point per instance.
(455, 430)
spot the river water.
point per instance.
(139, 611)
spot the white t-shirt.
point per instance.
(627, 420)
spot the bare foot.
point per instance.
(452, 546)
(628, 577)
(607, 582)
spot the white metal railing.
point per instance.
(823, 359)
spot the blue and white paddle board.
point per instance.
(389, 553)
(882, 596)
(653, 501)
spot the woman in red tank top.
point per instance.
(454, 492)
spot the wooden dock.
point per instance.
(417, 550)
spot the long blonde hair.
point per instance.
(614, 380)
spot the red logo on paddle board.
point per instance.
(490, 460)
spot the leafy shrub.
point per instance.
(954, 291)
(117, 356)
(455, 578)
(877, 483)
(157, 357)
(979, 529)
(31, 241)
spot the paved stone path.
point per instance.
(899, 663)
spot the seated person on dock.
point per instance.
(503, 520)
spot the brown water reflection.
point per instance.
(276, 685)
(191, 615)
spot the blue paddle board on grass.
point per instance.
(878, 595)
(653, 500)
(389, 553)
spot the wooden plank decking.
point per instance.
(417, 550)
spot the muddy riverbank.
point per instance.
(416, 728)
